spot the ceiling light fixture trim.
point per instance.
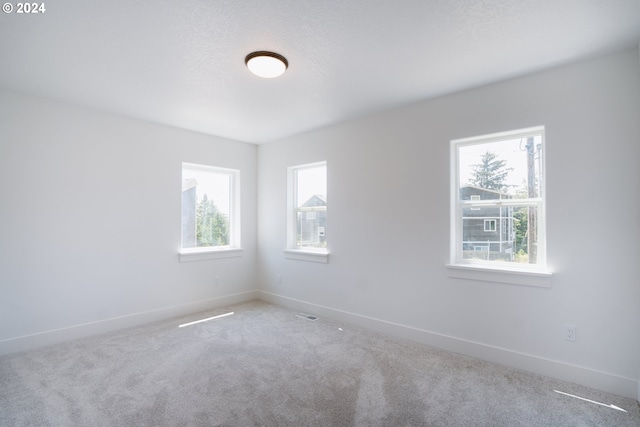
(266, 64)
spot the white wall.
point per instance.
(90, 222)
(388, 225)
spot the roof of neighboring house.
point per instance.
(188, 183)
(486, 190)
(313, 201)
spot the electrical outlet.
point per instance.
(279, 279)
(569, 332)
(216, 281)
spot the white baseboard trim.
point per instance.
(610, 383)
(41, 339)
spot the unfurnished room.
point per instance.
(295, 213)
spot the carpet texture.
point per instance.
(264, 366)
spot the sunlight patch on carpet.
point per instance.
(205, 320)
(592, 401)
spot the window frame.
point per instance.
(292, 251)
(234, 248)
(489, 270)
(492, 225)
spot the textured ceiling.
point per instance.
(181, 62)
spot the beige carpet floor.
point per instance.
(264, 366)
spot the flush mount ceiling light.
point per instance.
(266, 64)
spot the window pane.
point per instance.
(503, 169)
(206, 207)
(508, 234)
(311, 182)
(311, 207)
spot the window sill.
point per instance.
(500, 275)
(307, 255)
(203, 254)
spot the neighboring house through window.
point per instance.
(498, 200)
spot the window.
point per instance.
(210, 209)
(475, 197)
(307, 210)
(498, 201)
(489, 224)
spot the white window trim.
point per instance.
(492, 274)
(234, 249)
(291, 251)
(203, 254)
(321, 255)
(512, 273)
